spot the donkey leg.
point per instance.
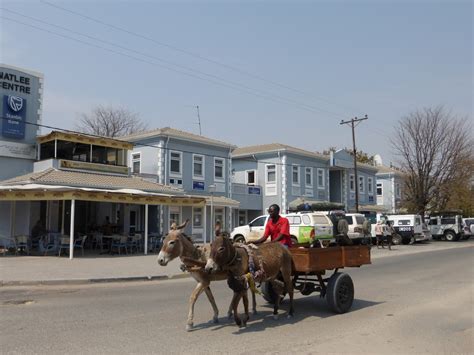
(289, 289)
(276, 305)
(235, 304)
(254, 303)
(245, 298)
(210, 296)
(192, 300)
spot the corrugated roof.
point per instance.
(275, 147)
(175, 133)
(53, 176)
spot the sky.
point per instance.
(260, 71)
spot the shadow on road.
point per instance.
(305, 307)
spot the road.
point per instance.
(420, 303)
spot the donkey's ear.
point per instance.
(183, 225)
(173, 226)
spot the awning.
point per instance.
(221, 201)
(38, 192)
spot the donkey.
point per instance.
(177, 244)
(274, 260)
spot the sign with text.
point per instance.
(254, 190)
(14, 115)
(198, 185)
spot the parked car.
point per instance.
(468, 227)
(446, 227)
(355, 221)
(409, 227)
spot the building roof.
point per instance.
(53, 176)
(175, 133)
(85, 139)
(222, 201)
(381, 169)
(275, 147)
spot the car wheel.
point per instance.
(450, 236)
(340, 292)
(239, 239)
(396, 239)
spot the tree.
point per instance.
(110, 122)
(362, 157)
(433, 147)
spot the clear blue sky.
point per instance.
(344, 58)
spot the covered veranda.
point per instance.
(18, 198)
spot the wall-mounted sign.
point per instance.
(198, 185)
(14, 115)
(254, 190)
(17, 150)
(19, 83)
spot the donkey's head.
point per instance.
(222, 253)
(172, 244)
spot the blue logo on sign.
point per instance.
(198, 185)
(15, 103)
(14, 115)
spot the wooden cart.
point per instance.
(309, 275)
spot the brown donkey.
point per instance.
(271, 260)
(177, 244)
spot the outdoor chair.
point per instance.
(98, 241)
(120, 244)
(79, 243)
(6, 243)
(22, 244)
(64, 244)
(49, 243)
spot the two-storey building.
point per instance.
(277, 173)
(389, 188)
(79, 183)
(195, 164)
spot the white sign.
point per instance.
(17, 150)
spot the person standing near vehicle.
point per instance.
(277, 227)
(379, 233)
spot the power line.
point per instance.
(189, 53)
(223, 82)
(163, 148)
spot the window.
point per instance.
(251, 176)
(306, 219)
(370, 186)
(271, 173)
(351, 183)
(259, 222)
(360, 220)
(198, 166)
(176, 163)
(308, 176)
(136, 163)
(349, 219)
(295, 175)
(362, 184)
(197, 217)
(321, 220)
(397, 191)
(175, 214)
(404, 222)
(320, 178)
(379, 189)
(218, 168)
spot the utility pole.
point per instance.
(199, 120)
(353, 122)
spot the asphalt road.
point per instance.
(420, 303)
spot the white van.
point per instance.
(409, 227)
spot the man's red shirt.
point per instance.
(282, 226)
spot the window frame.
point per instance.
(267, 182)
(308, 169)
(398, 191)
(379, 185)
(361, 188)
(201, 213)
(352, 182)
(134, 160)
(173, 173)
(322, 171)
(203, 164)
(298, 182)
(254, 177)
(370, 185)
(223, 169)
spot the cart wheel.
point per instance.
(340, 292)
